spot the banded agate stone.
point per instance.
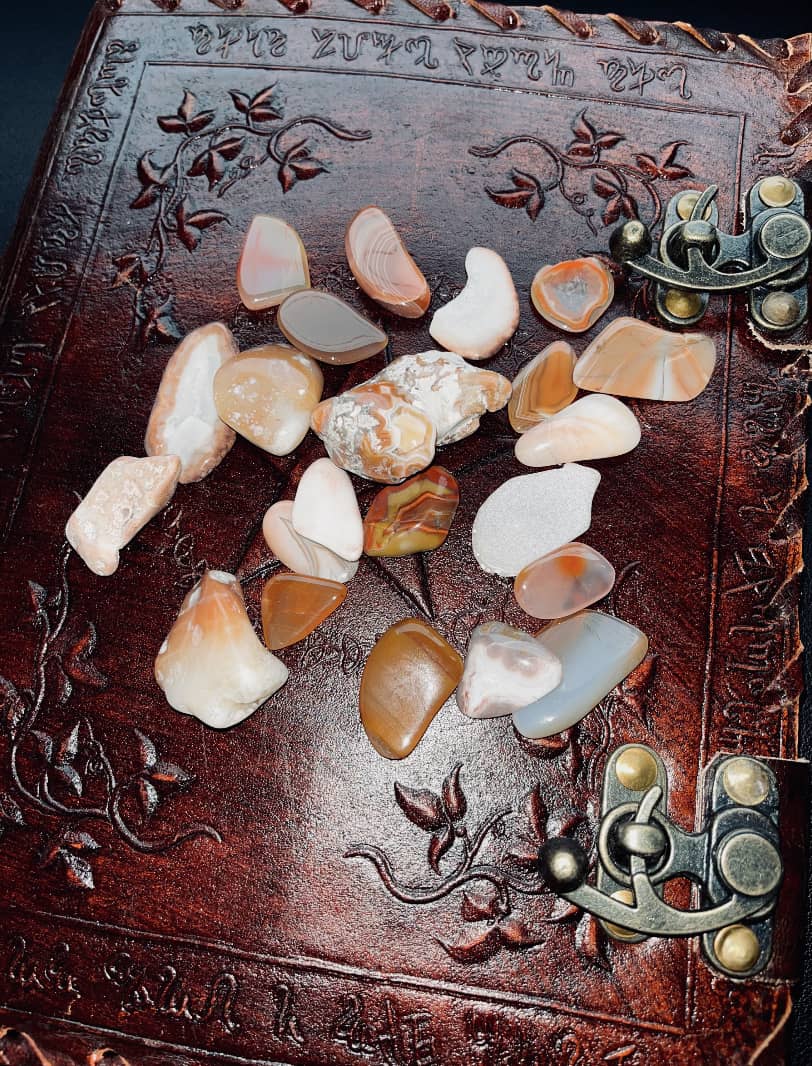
(597, 651)
(409, 675)
(543, 386)
(564, 582)
(477, 322)
(293, 605)
(382, 266)
(633, 358)
(273, 263)
(505, 669)
(328, 329)
(594, 427)
(412, 517)
(574, 294)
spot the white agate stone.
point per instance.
(452, 393)
(597, 651)
(184, 420)
(325, 510)
(299, 554)
(477, 323)
(532, 515)
(505, 669)
(122, 499)
(212, 664)
(593, 427)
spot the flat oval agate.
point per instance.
(564, 582)
(413, 517)
(544, 386)
(573, 294)
(382, 266)
(633, 358)
(330, 330)
(597, 651)
(273, 263)
(594, 427)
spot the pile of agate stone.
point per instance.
(566, 408)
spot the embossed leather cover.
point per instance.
(176, 895)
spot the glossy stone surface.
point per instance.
(325, 510)
(543, 386)
(505, 669)
(268, 395)
(485, 315)
(593, 427)
(325, 327)
(564, 582)
(413, 517)
(299, 554)
(382, 266)
(409, 675)
(184, 420)
(597, 651)
(374, 431)
(122, 499)
(532, 515)
(293, 605)
(273, 263)
(212, 665)
(631, 358)
(574, 294)
(450, 391)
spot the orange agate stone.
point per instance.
(409, 675)
(564, 582)
(544, 386)
(293, 605)
(413, 517)
(574, 294)
(382, 266)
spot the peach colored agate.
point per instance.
(573, 294)
(564, 582)
(273, 263)
(544, 386)
(382, 265)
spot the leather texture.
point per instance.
(269, 894)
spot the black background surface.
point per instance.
(38, 40)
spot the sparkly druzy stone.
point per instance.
(574, 294)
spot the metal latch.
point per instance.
(734, 859)
(769, 260)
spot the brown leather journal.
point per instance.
(279, 893)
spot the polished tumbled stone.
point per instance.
(293, 605)
(565, 581)
(505, 669)
(574, 294)
(412, 517)
(325, 509)
(272, 265)
(382, 266)
(298, 553)
(477, 322)
(325, 327)
(594, 427)
(543, 386)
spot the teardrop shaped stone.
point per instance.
(505, 669)
(543, 386)
(299, 554)
(268, 394)
(574, 294)
(409, 675)
(273, 263)
(382, 266)
(413, 517)
(293, 605)
(330, 330)
(594, 427)
(596, 651)
(632, 358)
(325, 510)
(564, 582)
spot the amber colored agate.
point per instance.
(544, 386)
(409, 675)
(293, 605)
(413, 517)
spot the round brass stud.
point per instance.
(682, 304)
(619, 932)
(746, 781)
(686, 204)
(776, 191)
(636, 768)
(780, 308)
(737, 948)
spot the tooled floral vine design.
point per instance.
(216, 156)
(63, 782)
(585, 175)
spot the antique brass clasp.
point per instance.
(769, 260)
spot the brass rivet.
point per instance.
(686, 204)
(682, 304)
(746, 781)
(636, 768)
(737, 948)
(776, 191)
(619, 932)
(780, 308)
